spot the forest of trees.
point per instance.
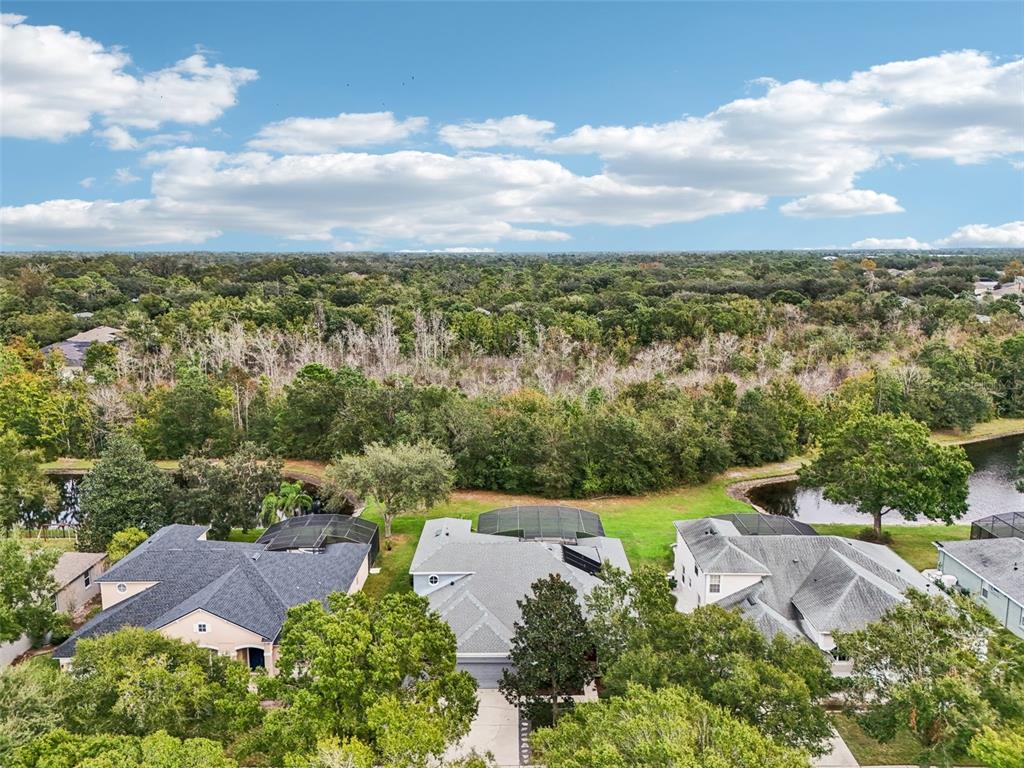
(560, 376)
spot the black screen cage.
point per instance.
(760, 524)
(1006, 525)
(315, 532)
(541, 522)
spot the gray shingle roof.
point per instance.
(1000, 562)
(840, 594)
(489, 574)
(239, 582)
(833, 582)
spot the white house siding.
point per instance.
(70, 599)
(684, 563)
(731, 583)
(360, 577)
(1007, 611)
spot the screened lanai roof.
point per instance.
(541, 522)
(1002, 526)
(320, 531)
(760, 524)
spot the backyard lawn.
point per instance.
(902, 750)
(911, 542)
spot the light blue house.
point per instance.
(992, 571)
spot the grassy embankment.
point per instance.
(644, 523)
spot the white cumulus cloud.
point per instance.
(1008, 235)
(513, 131)
(315, 135)
(303, 178)
(896, 243)
(57, 82)
(852, 202)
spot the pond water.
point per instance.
(991, 490)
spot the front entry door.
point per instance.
(256, 658)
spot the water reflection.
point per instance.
(991, 490)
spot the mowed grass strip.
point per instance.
(914, 543)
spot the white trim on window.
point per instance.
(433, 579)
(122, 587)
(202, 628)
(984, 589)
(715, 583)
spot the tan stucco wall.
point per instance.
(223, 636)
(110, 596)
(75, 595)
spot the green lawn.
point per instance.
(902, 750)
(911, 542)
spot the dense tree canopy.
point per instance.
(563, 376)
(776, 685)
(938, 668)
(378, 676)
(551, 653)
(672, 726)
(136, 682)
(27, 591)
(883, 463)
(123, 490)
(401, 478)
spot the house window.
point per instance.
(715, 583)
(122, 587)
(984, 589)
(433, 579)
(88, 579)
(696, 570)
(201, 628)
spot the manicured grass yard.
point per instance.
(911, 542)
(902, 750)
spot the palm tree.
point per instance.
(288, 501)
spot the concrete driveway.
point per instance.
(495, 729)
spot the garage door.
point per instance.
(487, 673)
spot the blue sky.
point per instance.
(511, 126)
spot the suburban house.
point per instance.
(76, 574)
(230, 597)
(474, 579)
(786, 578)
(991, 570)
(74, 348)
